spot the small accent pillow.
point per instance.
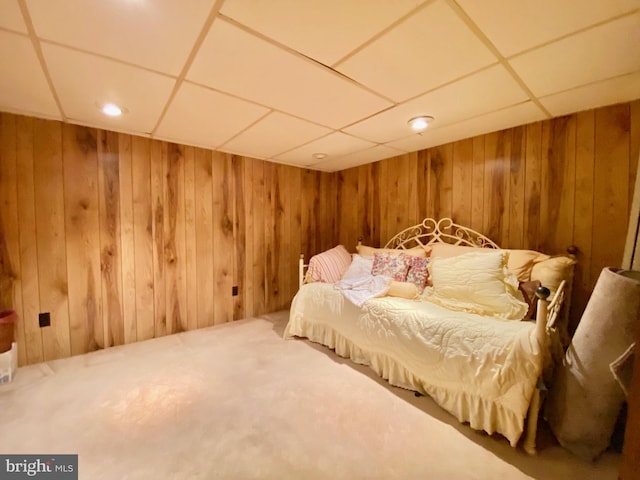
(478, 283)
(528, 290)
(403, 290)
(391, 265)
(371, 251)
(360, 267)
(551, 272)
(418, 273)
(329, 266)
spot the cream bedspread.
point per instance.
(481, 370)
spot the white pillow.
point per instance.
(360, 267)
(478, 283)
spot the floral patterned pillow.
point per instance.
(391, 265)
(418, 273)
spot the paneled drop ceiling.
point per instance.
(283, 80)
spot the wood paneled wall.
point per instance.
(543, 186)
(122, 238)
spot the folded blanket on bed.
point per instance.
(359, 290)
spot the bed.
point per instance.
(485, 370)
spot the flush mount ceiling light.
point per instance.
(319, 156)
(420, 123)
(111, 109)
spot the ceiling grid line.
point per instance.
(302, 56)
(26, 16)
(106, 57)
(213, 14)
(573, 33)
(503, 61)
(258, 120)
(263, 105)
(382, 33)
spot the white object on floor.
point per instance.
(8, 364)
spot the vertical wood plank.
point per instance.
(10, 271)
(413, 216)
(558, 180)
(222, 237)
(477, 184)
(294, 182)
(239, 235)
(174, 240)
(52, 261)
(364, 205)
(282, 234)
(127, 242)
(496, 186)
(517, 188)
(191, 258)
(397, 195)
(25, 164)
(271, 237)
(143, 237)
(109, 213)
(159, 158)
(350, 224)
(442, 179)
(611, 200)
(259, 261)
(310, 213)
(462, 187)
(533, 178)
(382, 185)
(423, 182)
(204, 236)
(376, 236)
(583, 214)
(82, 227)
(244, 225)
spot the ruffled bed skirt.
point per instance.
(480, 413)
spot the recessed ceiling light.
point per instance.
(420, 123)
(111, 109)
(319, 156)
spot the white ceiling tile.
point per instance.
(274, 134)
(199, 116)
(514, 26)
(509, 117)
(429, 49)
(23, 86)
(155, 34)
(303, 26)
(336, 144)
(271, 76)
(607, 92)
(596, 54)
(82, 81)
(11, 17)
(379, 152)
(490, 89)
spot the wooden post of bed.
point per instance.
(534, 408)
(301, 271)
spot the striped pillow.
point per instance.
(329, 266)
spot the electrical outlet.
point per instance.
(234, 291)
(44, 319)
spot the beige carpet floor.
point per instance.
(238, 402)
